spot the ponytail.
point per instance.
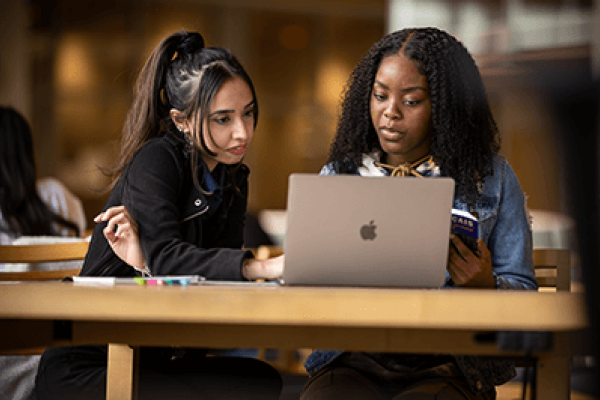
(151, 106)
(180, 74)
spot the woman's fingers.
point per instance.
(110, 213)
(119, 223)
(103, 216)
(466, 269)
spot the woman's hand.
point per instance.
(271, 268)
(121, 231)
(468, 270)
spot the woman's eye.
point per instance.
(379, 96)
(221, 120)
(249, 113)
(411, 103)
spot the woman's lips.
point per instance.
(390, 134)
(238, 151)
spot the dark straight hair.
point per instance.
(184, 75)
(23, 210)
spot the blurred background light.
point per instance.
(73, 69)
(293, 37)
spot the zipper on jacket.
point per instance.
(108, 267)
(196, 215)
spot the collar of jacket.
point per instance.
(198, 203)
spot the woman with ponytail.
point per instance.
(180, 177)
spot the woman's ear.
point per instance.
(180, 121)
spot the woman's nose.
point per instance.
(240, 131)
(392, 112)
(390, 115)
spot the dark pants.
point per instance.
(80, 373)
(346, 379)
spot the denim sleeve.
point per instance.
(510, 241)
(328, 170)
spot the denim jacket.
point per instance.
(505, 228)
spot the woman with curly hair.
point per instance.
(415, 105)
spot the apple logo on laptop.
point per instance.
(367, 232)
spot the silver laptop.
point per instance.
(348, 230)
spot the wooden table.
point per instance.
(390, 320)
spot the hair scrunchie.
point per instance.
(191, 42)
(188, 43)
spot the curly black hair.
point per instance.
(465, 137)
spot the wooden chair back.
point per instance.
(41, 253)
(553, 273)
(47, 252)
(553, 269)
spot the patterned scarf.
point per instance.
(417, 168)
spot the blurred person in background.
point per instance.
(28, 207)
(31, 206)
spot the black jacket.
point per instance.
(181, 230)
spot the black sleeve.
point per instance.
(151, 189)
